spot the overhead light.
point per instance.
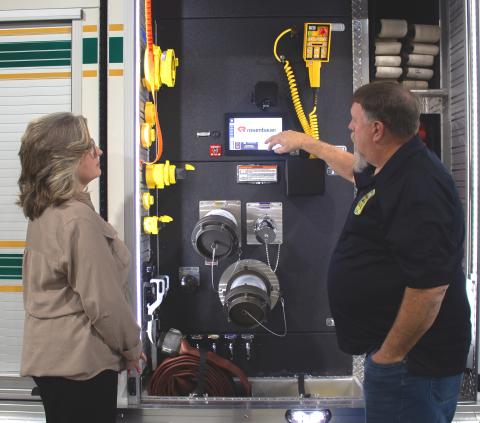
(308, 416)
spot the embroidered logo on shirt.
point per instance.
(363, 202)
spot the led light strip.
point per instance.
(136, 160)
(474, 127)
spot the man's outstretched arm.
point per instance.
(287, 141)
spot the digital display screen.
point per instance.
(248, 133)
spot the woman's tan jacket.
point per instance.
(78, 321)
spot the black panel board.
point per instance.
(221, 60)
(191, 9)
(311, 228)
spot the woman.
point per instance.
(79, 329)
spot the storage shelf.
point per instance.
(431, 93)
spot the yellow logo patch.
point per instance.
(363, 202)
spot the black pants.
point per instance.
(79, 401)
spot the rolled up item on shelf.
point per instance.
(421, 48)
(387, 47)
(388, 60)
(423, 74)
(415, 85)
(420, 60)
(393, 28)
(384, 80)
(424, 33)
(388, 72)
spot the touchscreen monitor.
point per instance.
(247, 133)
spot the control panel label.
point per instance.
(257, 174)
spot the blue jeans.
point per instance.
(392, 395)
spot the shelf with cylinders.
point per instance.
(409, 54)
(406, 52)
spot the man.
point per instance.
(395, 283)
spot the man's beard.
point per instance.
(359, 162)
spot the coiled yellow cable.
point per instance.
(314, 123)
(314, 127)
(293, 86)
(297, 104)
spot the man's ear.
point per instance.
(378, 131)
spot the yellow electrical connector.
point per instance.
(149, 112)
(151, 223)
(147, 200)
(147, 135)
(160, 175)
(164, 69)
(168, 66)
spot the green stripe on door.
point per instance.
(90, 51)
(115, 50)
(11, 271)
(36, 46)
(11, 266)
(13, 262)
(35, 52)
(32, 55)
(34, 63)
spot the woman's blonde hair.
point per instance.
(50, 153)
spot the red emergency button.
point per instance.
(215, 150)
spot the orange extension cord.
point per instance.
(151, 65)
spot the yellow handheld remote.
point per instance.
(316, 49)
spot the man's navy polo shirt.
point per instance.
(405, 229)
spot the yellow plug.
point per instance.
(162, 71)
(165, 219)
(147, 135)
(162, 175)
(149, 113)
(169, 173)
(148, 72)
(154, 176)
(156, 60)
(168, 67)
(147, 200)
(151, 226)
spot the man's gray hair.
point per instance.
(391, 103)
